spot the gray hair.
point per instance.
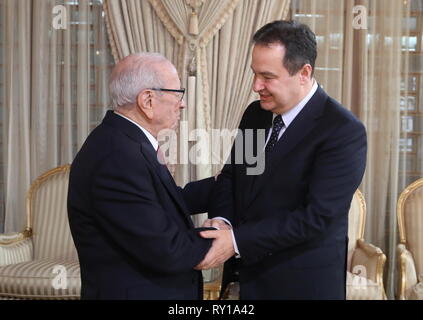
(133, 74)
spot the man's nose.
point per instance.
(182, 105)
(257, 85)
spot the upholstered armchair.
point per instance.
(365, 261)
(410, 248)
(41, 262)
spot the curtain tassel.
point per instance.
(193, 24)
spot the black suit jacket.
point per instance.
(130, 222)
(291, 222)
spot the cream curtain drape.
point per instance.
(134, 26)
(16, 17)
(327, 19)
(55, 91)
(229, 66)
(211, 42)
(197, 29)
(379, 109)
(361, 68)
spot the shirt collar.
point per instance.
(150, 137)
(289, 116)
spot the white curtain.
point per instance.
(55, 91)
(380, 111)
(229, 66)
(16, 30)
(362, 69)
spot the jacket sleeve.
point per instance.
(223, 196)
(128, 211)
(197, 195)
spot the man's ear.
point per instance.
(144, 103)
(305, 73)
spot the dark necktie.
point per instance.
(277, 126)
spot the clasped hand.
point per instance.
(222, 247)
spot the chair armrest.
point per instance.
(15, 248)
(9, 238)
(407, 272)
(370, 260)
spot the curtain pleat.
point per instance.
(361, 69)
(55, 91)
(16, 112)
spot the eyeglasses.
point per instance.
(171, 90)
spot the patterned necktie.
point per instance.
(277, 126)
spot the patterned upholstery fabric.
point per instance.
(50, 220)
(44, 266)
(364, 259)
(417, 290)
(406, 272)
(38, 279)
(16, 252)
(361, 288)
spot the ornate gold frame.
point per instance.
(400, 207)
(27, 233)
(381, 256)
(362, 214)
(403, 239)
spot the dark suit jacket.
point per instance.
(291, 222)
(130, 222)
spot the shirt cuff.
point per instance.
(237, 255)
(224, 220)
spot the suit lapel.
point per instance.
(262, 121)
(147, 150)
(302, 125)
(165, 176)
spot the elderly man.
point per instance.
(129, 220)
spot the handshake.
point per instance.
(222, 247)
